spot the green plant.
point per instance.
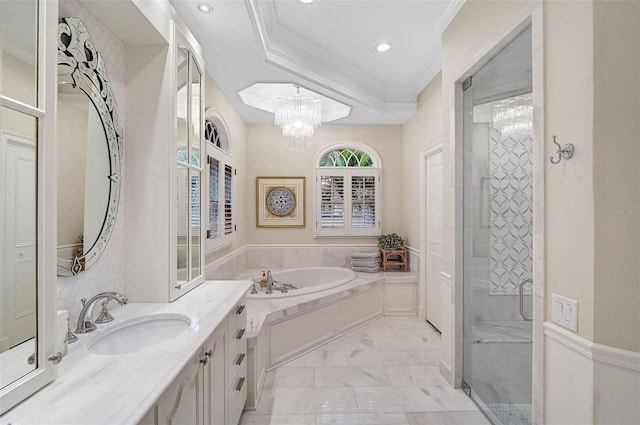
(391, 241)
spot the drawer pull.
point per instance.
(240, 359)
(240, 384)
(240, 309)
(241, 333)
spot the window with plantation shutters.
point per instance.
(221, 225)
(332, 201)
(214, 198)
(348, 192)
(228, 217)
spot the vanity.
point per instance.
(176, 353)
(196, 377)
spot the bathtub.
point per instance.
(308, 280)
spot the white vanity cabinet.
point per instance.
(197, 395)
(183, 401)
(237, 362)
(211, 389)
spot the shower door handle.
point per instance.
(521, 296)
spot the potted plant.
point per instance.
(391, 241)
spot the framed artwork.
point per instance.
(280, 201)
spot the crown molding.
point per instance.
(290, 51)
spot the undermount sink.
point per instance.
(139, 333)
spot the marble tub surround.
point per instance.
(120, 389)
(263, 257)
(356, 379)
(261, 311)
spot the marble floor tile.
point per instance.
(447, 418)
(415, 375)
(320, 358)
(251, 419)
(384, 373)
(350, 342)
(306, 401)
(286, 401)
(422, 329)
(351, 376)
(363, 419)
(451, 398)
(290, 377)
(429, 357)
(378, 357)
(335, 400)
(405, 342)
(396, 399)
(373, 329)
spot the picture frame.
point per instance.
(280, 201)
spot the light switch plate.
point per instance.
(564, 312)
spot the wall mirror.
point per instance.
(89, 151)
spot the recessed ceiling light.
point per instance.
(204, 8)
(306, 1)
(383, 47)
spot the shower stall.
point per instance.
(498, 234)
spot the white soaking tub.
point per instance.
(306, 280)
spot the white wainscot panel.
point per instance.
(296, 335)
(400, 299)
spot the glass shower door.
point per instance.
(498, 246)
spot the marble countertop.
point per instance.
(261, 311)
(120, 389)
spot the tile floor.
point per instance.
(385, 373)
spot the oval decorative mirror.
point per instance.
(90, 146)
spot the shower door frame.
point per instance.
(531, 15)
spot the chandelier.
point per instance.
(298, 116)
(514, 115)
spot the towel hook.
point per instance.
(564, 152)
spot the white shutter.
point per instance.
(228, 213)
(214, 198)
(365, 201)
(348, 202)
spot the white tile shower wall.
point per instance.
(510, 210)
(107, 274)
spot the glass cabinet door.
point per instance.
(189, 253)
(27, 193)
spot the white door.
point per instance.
(434, 237)
(20, 240)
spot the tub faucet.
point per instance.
(85, 318)
(269, 282)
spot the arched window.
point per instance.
(221, 226)
(348, 191)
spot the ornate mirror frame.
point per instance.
(79, 58)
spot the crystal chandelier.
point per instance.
(298, 116)
(514, 115)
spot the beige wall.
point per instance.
(569, 233)
(421, 132)
(216, 100)
(616, 174)
(268, 155)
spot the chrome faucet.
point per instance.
(85, 318)
(269, 283)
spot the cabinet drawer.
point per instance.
(238, 394)
(237, 366)
(237, 323)
(238, 315)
